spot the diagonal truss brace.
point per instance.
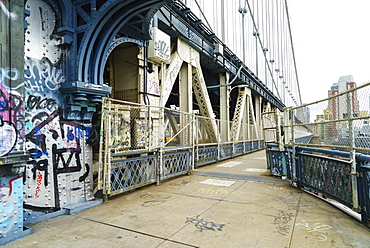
(238, 114)
(204, 103)
(170, 77)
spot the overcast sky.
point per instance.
(331, 39)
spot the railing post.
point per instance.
(192, 135)
(107, 154)
(289, 139)
(162, 138)
(278, 131)
(196, 126)
(353, 152)
(364, 187)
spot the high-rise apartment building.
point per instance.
(338, 106)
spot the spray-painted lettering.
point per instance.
(36, 102)
(42, 76)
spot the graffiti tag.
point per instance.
(281, 221)
(315, 228)
(42, 75)
(202, 224)
(157, 200)
(8, 74)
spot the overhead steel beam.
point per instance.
(182, 22)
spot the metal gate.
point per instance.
(140, 145)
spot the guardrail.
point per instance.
(340, 122)
(143, 144)
(337, 175)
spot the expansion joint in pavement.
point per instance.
(138, 232)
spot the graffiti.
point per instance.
(181, 184)
(315, 228)
(36, 102)
(281, 221)
(60, 164)
(76, 132)
(9, 14)
(157, 200)
(162, 50)
(202, 224)
(38, 166)
(11, 217)
(39, 181)
(8, 137)
(55, 146)
(153, 87)
(10, 104)
(11, 119)
(8, 74)
(41, 75)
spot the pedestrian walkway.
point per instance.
(230, 204)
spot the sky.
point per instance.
(331, 39)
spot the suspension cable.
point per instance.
(256, 28)
(205, 18)
(293, 54)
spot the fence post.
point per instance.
(351, 136)
(107, 153)
(289, 138)
(278, 130)
(192, 141)
(363, 168)
(162, 140)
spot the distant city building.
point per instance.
(306, 115)
(364, 128)
(324, 130)
(303, 114)
(338, 106)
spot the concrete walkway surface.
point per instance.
(230, 204)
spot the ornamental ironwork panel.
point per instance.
(364, 188)
(238, 148)
(207, 155)
(255, 145)
(261, 144)
(226, 151)
(328, 175)
(174, 164)
(279, 163)
(248, 147)
(132, 173)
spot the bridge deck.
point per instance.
(231, 204)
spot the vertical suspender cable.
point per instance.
(292, 48)
(255, 26)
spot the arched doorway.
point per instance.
(121, 71)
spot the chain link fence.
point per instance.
(340, 121)
(141, 144)
(326, 147)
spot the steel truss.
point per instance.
(129, 130)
